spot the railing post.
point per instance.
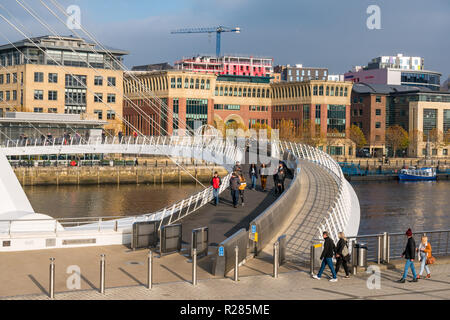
(388, 248)
(194, 267)
(51, 290)
(102, 274)
(150, 270)
(236, 264)
(312, 260)
(276, 258)
(379, 250)
(385, 247)
(116, 225)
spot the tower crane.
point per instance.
(218, 30)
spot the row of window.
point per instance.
(190, 83)
(330, 91)
(71, 80)
(7, 78)
(6, 96)
(242, 92)
(227, 107)
(359, 112)
(253, 122)
(286, 108)
(71, 95)
(258, 108)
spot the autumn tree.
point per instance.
(397, 138)
(436, 138)
(262, 126)
(357, 136)
(287, 130)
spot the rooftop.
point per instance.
(62, 43)
(362, 88)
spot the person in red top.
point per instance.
(216, 183)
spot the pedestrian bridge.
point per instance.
(323, 200)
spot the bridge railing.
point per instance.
(385, 246)
(168, 215)
(338, 215)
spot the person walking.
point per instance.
(234, 187)
(409, 254)
(253, 173)
(242, 186)
(237, 168)
(281, 176)
(120, 136)
(327, 257)
(263, 174)
(216, 183)
(342, 254)
(275, 182)
(425, 257)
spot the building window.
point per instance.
(52, 78)
(98, 81)
(336, 118)
(179, 83)
(38, 77)
(429, 121)
(98, 97)
(38, 95)
(360, 112)
(186, 83)
(2, 78)
(77, 81)
(315, 90)
(53, 95)
(110, 115)
(111, 81)
(197, 83)
(317, 114)
(208, 84)
(192, 84)
(321, 91)
(202, 84)
(111, 98)
(378, 125)
(52, 110)
(196, 113)
(39, 110)
(445, 152)
(378, 99)
(172, 83)
(99, 114)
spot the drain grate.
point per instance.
(134, 263)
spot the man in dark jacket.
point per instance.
(327, 257)
(235, 182)
(281, 176)
(409, 254)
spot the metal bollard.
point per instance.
(194, 267)
(51, 289)
(102, 274)
(236, 264)
(311, 260)
(276, 258)
(150, 270)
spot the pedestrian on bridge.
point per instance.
(342, 254)
(425, 257)
(281, 176)
(216, 183)
(242, 188)
(409, 253)
(263, 173)
(253, 173)
(234, 187)
(327, 257)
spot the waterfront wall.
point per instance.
(115, 175)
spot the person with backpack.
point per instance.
(409, 253)
(327, 257)
(425, 257)
(342, 254)
(253, 173)
(216, 183)
(234, 187)
(242, 188)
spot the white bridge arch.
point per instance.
(23, 229)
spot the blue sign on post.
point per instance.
(254, 228)
(221, 252)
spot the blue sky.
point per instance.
(325, 33)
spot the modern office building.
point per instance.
(301, 73)
(228, 65)
(446, 85)
(69, 78)
(195, 99)
(396, 70)
(418, 110)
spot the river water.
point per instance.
(389, 206)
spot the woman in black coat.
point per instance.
(342, 257)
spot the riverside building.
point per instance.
(205, 98)
(31, 81)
